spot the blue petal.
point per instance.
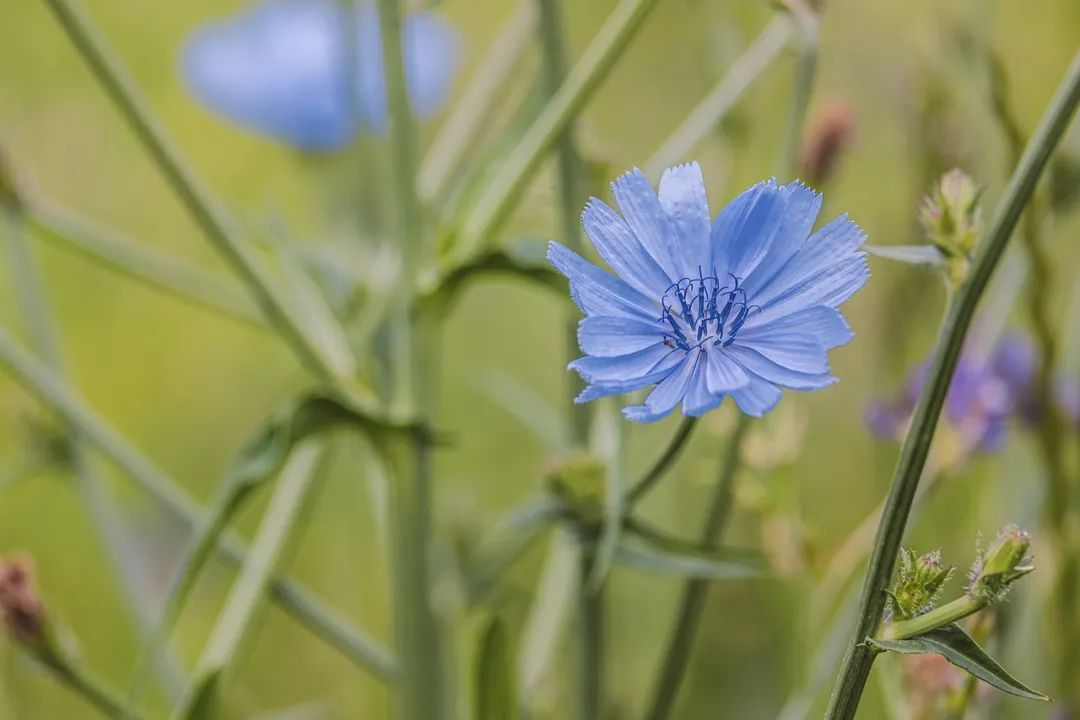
(598, 390)
(826, 324)
(765, 368)
(699, 399)
(757, 397)
(649, 223)
(722, 373)
(651, 360)
(682, 195)
(801, 209)
(278, 69)
(667, 394)
(610, 336)
(745, 228)
(598, 292)
(826, 270)
(622, 251)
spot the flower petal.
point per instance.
(647, 219)
(682, 195)
(667, 394)
(757, 397)
(745, 228)
(765, 368)
(699, 399)
(622, 250)
(723, 373)
(598, 390)
(610, 336)
(801, 209)
(825, 324)
(643, 362)
(596, 291)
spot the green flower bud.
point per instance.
(950, 215)
(997, 567)
(579, 481)
(918, 584)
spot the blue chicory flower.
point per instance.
(744, 305)
(985, 393)
(282, 68)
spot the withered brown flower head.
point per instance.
(829, 134)
(20, 607)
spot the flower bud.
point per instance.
(999, 565)
(578, 480)
(950, 215)
(919, 583)
(20, 607)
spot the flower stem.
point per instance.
(591, 641)
(692, 603)
(859, 658)
(330, 358)
(103, 511)
(326, 624)
(950, 612)
(74, 677)
(650, 478)
(422, 694)
(581, 83)
(805, 73)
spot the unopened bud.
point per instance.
(20, 607)
(919, 583)
(578, 479)
(830, 134)
(997, 567)
(950, 215)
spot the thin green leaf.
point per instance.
(956, 646)
(910, 254)
(206, 702)
(635, 554)
(608, 441)
(507, 542)
(496, 693)
(533, 411)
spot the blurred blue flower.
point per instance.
(984, 394)
(283, 68)
(741, 306)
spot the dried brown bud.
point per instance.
(830, 133)
(20, 606)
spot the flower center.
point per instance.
(709, 309)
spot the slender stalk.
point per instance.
(666, 459)
(591, 640)
(329, 626)
(156, 270)
(692, 602)
(331, 361)
(715, 106)
(276, 533)
(859, 658)
(423, 693)
(581, 83)
(950, 612)
(459, 133)
(104, 514)
(79, 681)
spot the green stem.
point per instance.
(156, 270)
(276, 531)
(704, 118)
(320, 620)
(423, 693)
(104, 514)
(692, 602)
(591, 638)
(950, 612)
(331, 361)
(805, 74)
(859, 658)
(581, 83)
(666, 459)
(75, 678)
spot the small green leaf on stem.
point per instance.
(910, 254)
(706, 566)
(956, 646)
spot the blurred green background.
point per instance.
(188, 388)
